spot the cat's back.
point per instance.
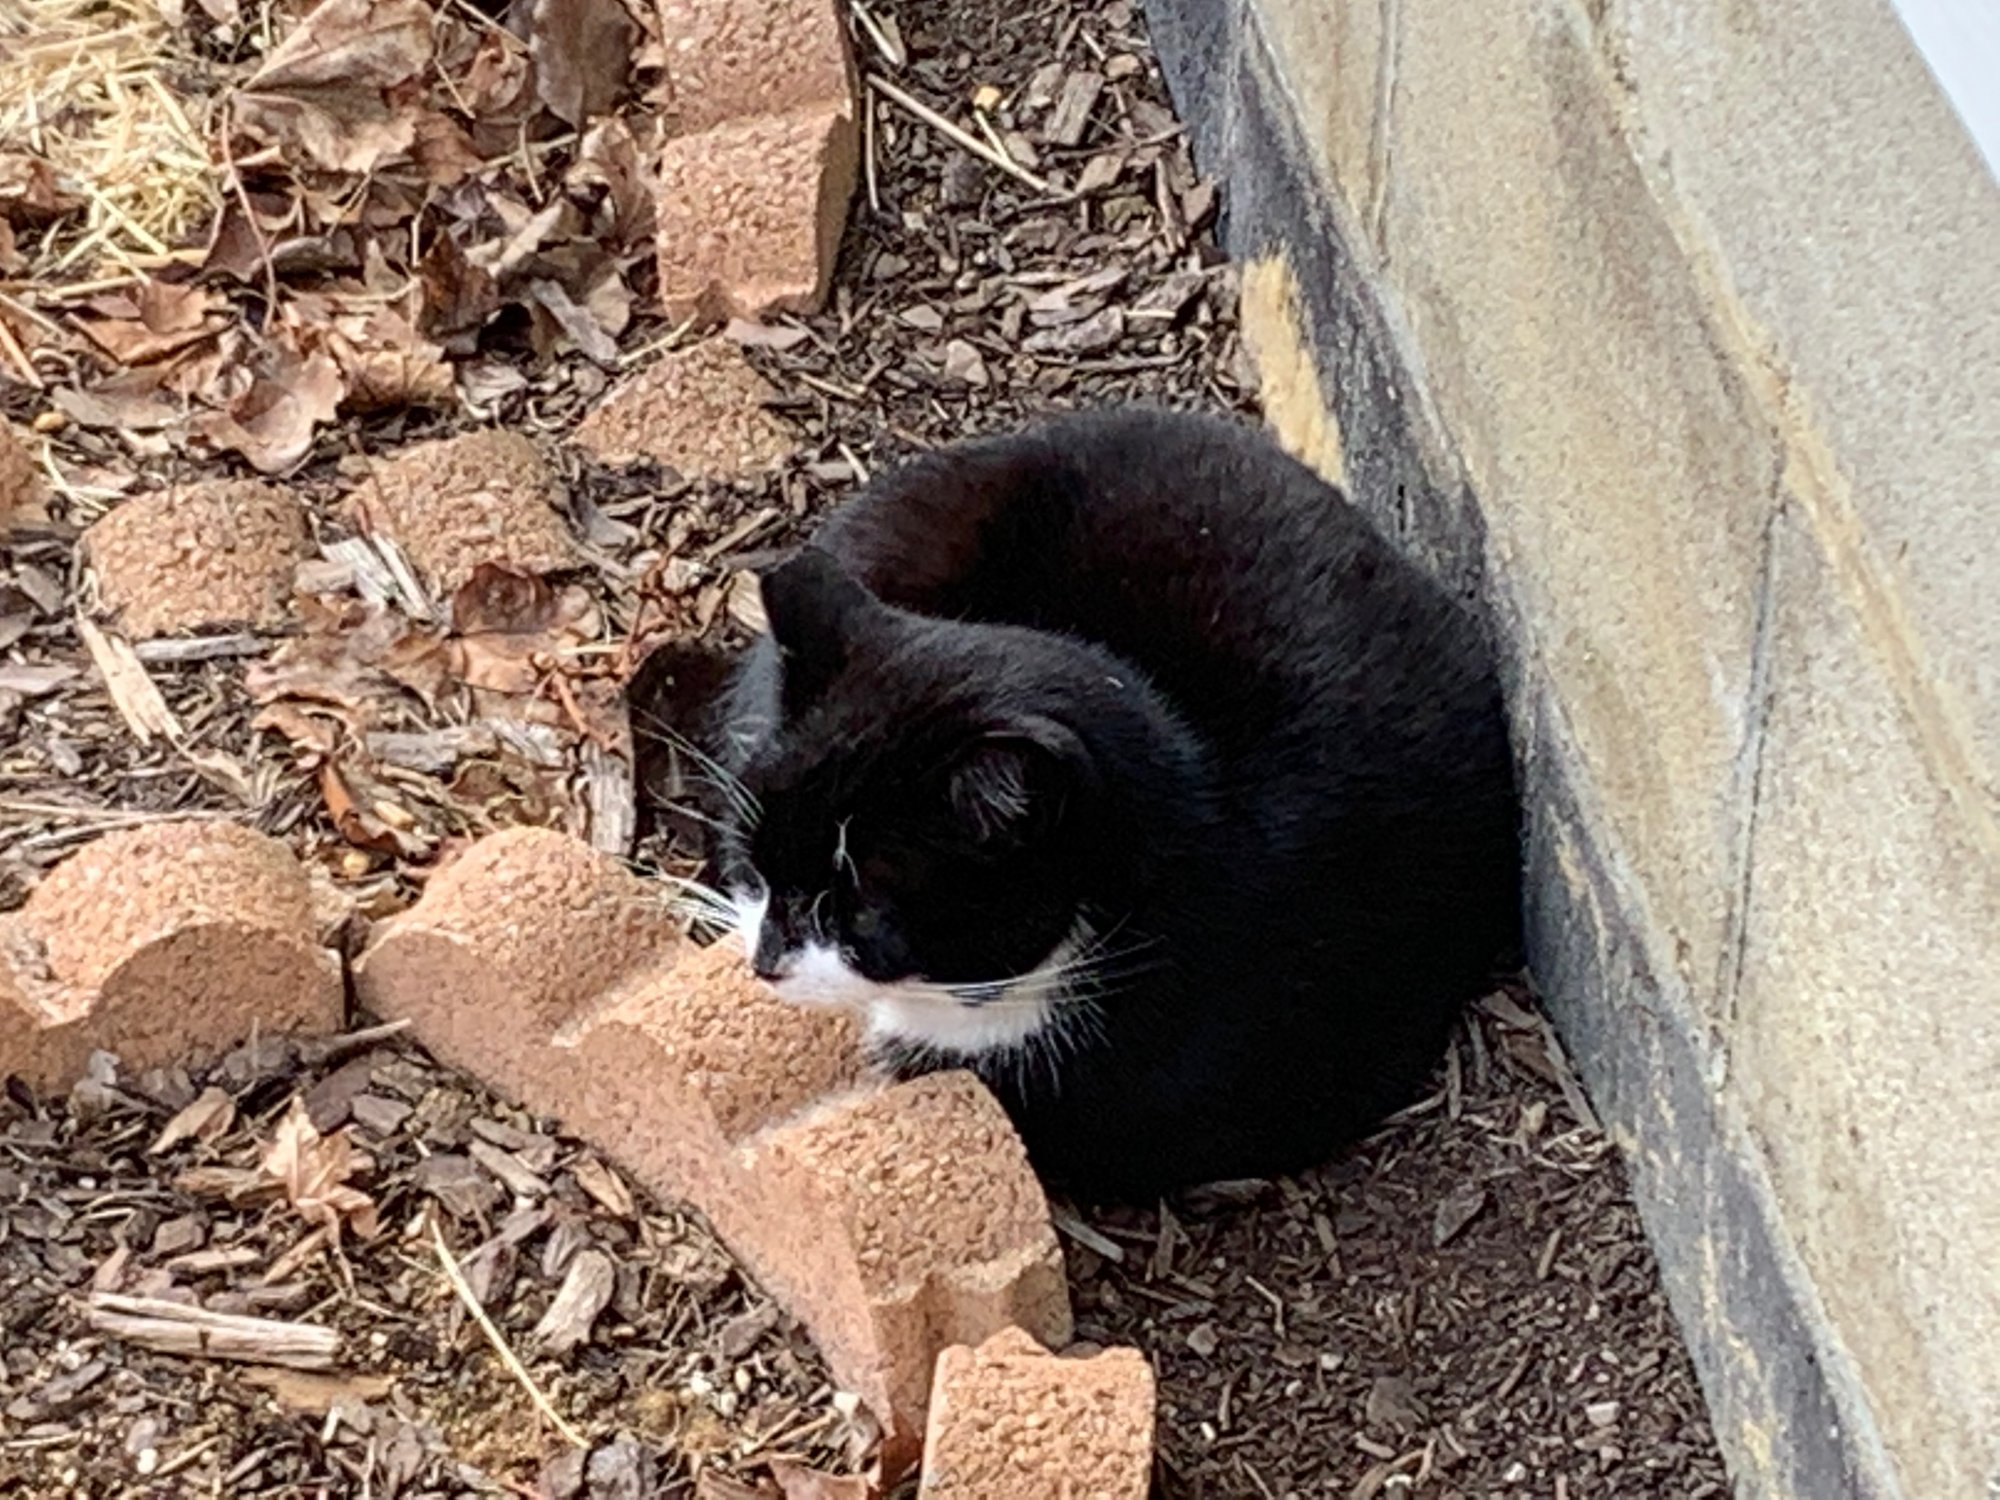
(1243, 583)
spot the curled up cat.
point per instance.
(1121, 761)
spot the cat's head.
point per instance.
(922, 829)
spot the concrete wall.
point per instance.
(1671, 330)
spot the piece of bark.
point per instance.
(175, 1328)
(585, 1291)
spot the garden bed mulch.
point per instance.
(1464, 1306)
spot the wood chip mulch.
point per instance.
(1466, 1306)
(358, 1370)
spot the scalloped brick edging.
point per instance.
(169, 943)
(899, 1221)
(892, 1219)
(755, 179)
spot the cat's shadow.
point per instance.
(674, 698)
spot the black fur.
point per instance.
(1142, 667)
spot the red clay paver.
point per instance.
(906, 1219)
(215, 553)
(169, 943)
(452, 504)
(751, 211)
(891, 1219)
(1011, 1421)
(699, 411)
(726, 58)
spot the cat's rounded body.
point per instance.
(1123, 762)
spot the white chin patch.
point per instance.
(936, 1022)
(818, 975)
(913, 1013)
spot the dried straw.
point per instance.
(83, 87)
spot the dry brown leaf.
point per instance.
(520, 630)
(511, 665)
(351, 43)
(609, 157)
(604, 1185)
(714, 1484)
(609, 301)
(498, 599)
(310, 734)
(527, 233)
(319, 669)
(322, 90)
(442, 150)
(386, 362)
(353, 659)
(210, 1116)
(281, 396)
(578, 323)
(162, 307)
(342, 130)
(153, 322)
(800, 1483)
(132, 402)
(583, 55)
(458, 296)
(313, 1171)
(30, 196)
(237, 245)
(359, 817)
(498, 82)
(313, 1393)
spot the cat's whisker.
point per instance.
(724, 780)
(702, 819)
(687, 897)
(1084, 977)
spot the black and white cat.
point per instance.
(1123, 762)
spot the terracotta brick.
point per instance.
(22, 491)
(891, 1219)
(511, 942)
(164, 944)
(723, 56)
(458, 502)
(216, 553)
(900, 1221)
(751, 212)
(699, 411)
(715, 1057)
(1011, 1421)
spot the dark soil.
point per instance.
(1464, 1306)
(688, 1369)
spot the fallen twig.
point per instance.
(133, 692)
(175, 1328)
(507, 1356)
(959, 137)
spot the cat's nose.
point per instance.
(771, 962)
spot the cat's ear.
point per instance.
(1010, 785)
(815, 608)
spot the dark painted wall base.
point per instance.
(1776, 1386)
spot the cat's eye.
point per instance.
(866, 923)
